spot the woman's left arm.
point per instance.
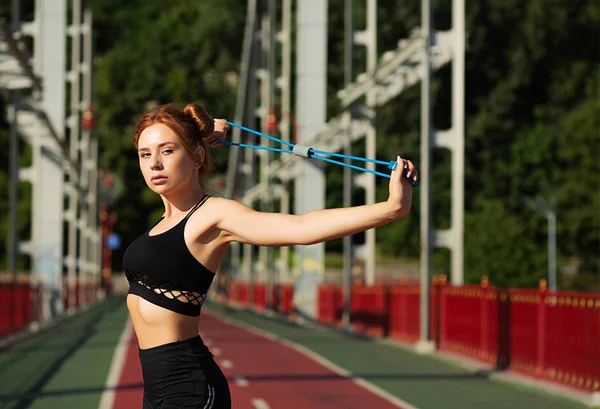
(243, 224)
(247, 225)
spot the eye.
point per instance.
(144, 155)
(167, 151)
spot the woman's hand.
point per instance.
(400, 198)
(219, 134)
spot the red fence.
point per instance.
(79, 292)
(280, 296)
(21, 301)
(550, 335)
(19, 305)
(555, 336)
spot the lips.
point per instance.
(158, 179)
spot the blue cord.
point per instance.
(312, 152)
(341, 155)
(291, 145)
(264, 148)
(385, 175)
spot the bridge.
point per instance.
(319, 339)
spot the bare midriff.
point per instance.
(155, 326)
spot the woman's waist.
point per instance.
(155, 325)
(156, 336)
(194, 344)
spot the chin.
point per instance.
(165, 189)
(160, 189)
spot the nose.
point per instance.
(155, 163)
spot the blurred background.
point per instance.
(497, 103)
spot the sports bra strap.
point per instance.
(196, 206)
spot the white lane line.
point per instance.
(315, 357)
(241, 381)
(227, 364)
(260, 403)
(216, 351)
(116, 366)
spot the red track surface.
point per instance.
(130, 390)
(276, 375)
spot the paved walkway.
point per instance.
(270, 364)
(66, 366)
(262, 372)
(424, 382)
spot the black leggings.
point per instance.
(183, 375)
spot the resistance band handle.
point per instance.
(414, 183)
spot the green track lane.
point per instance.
(66, 366)
(426, 382)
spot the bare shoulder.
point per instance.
(219, 213)
(204, 222)
(216, 210)
(221, 206)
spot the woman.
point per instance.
(171, 267)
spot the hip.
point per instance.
(183, 374)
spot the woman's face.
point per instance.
(164, 161)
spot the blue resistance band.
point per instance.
(307, 152)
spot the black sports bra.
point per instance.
(161, 270)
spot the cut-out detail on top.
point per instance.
(166, 289)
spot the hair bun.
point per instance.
(202, 119)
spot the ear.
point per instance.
(200, 152)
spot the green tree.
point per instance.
(160, 52)
(532, 128)
(532, 116)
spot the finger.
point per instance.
(218, 134)
(399, 165)
(394, 176)
(216, 143)
(400, 169)
(404, 166)
(222, 125)
(226, 126)
(210, 141)
(412, 174)
(410, 168)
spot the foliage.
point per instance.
(532, 113)
(532, 119)
(159, 52)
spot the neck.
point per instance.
(180, 202)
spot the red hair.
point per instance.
(191, 125)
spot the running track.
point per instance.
(262, 374)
